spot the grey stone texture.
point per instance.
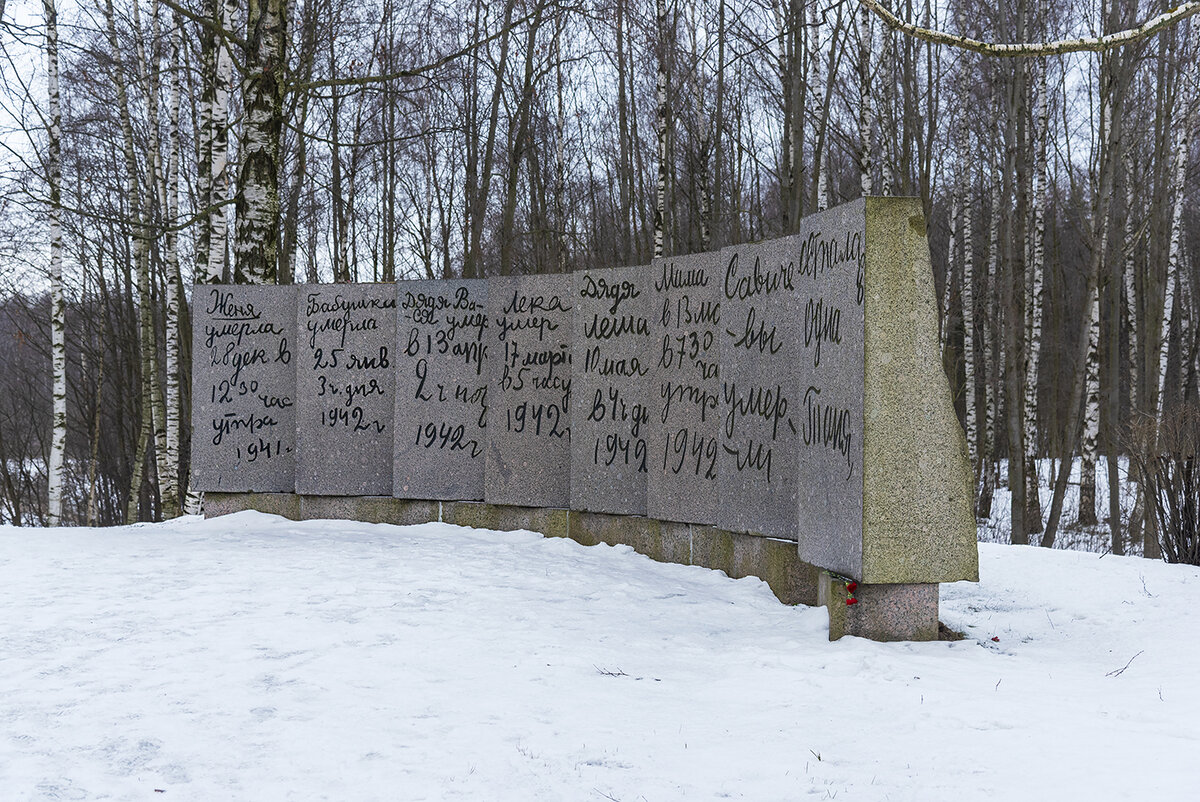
(286, 505)
(918, 525)
(244, 357)
(760, 348)
(610, 380)
(441, 389)
(370, 509)
(528, 455)
(888, 612)
(683, 437)
(345, 382)
(829, 381)
(547, 521)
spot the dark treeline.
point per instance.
(323, 140)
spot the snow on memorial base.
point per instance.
(794, 387)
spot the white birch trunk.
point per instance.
(816, 85)
(887, 76)
(256, 240)
(660, 129)
(864, 98)
(951, 260)
(962, 185)
(1091, 416)
(992, 358)
(137, 222)
(169, 481)
(1033, 304)
(218, 219)
(149, 75)
(56, 468)
(1130, 287)
(1089, 445)
(1183, 126)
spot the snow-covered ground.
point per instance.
(249, 657)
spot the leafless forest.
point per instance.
(147, 144)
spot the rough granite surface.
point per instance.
(610, 389)
(441, 389)
(529, 392)
(760, 348)
(345, 383)
(244, 355)
(285, 505)
(371, 509)
(683, 437)
(918, 516)
(891, 612)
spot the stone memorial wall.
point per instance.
(760, 337)
(441, 389)
(829, 282)
(244, 388)
(529, 391)
(791, 389)
(345, 386)
(610, 390)
(685, 387)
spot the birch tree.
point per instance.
(256, 245)
(58, 349)
(661, 126)
(213, 168)
(1034, 303)
(1185, 121)
(169, 480)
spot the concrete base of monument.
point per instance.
(285, 505)
(546, 520)
(882, 612)
(370, 509)
(774, 561)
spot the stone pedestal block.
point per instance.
(891, 612)
(505, 518)
(286, 505)
(369, 509)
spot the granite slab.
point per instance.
(685, 388)
(610, 385)
(528, 456)
(243, 388)
(345, 382)
(441, 389)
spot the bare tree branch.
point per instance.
(412, 72)
(1097, 44)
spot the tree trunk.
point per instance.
(864, 99)
(1112, 104)
(56, 466)
(1183, 126)
(217, 224)
(257, 202)
(1036, 267)
(477, 196)
(169, 474)
(662, 122)
(518, 142)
